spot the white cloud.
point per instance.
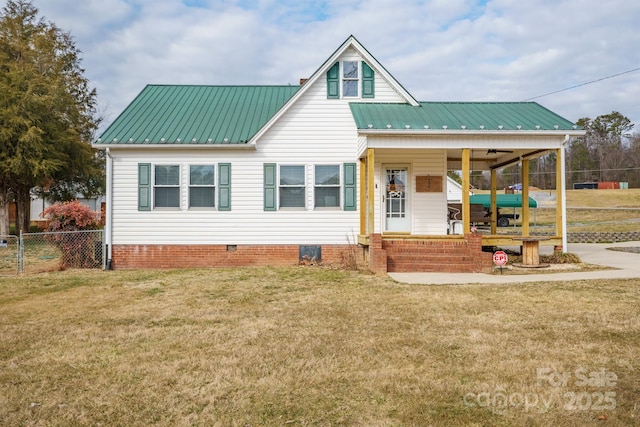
(439, 49)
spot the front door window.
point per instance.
(396, 200)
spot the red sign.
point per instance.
(500, 258)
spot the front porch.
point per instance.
(411, 251)
(424, 140)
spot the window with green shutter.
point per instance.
(350, 189)
(292, 186)
(166, 186)
(202, 187)
(326, 191)
(144, 186)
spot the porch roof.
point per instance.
(459, 116)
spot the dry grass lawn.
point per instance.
(306, 346)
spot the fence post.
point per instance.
(21, 253)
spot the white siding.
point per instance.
(454, 191)
(315, 130)
(428, 210)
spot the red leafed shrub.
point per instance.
(78, 249)
(70, 216)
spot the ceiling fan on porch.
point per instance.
(494, 151)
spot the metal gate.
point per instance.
(61, 250)
(9, 255)
(40, 252)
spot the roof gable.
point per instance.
(350, 43)
(196, 115)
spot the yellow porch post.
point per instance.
(363, 196)
(370, 191)
(525, 197)
(494, 209)
(466, 211)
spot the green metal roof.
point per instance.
(176, 114)
(471, 116)
(502, 200)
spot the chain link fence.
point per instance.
(9, 255)
(48, 251)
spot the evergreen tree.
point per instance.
(47, 111)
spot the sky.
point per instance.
(439, 50)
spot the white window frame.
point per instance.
(303, 186)
(339, 186)
(211, 186)
(155, 186)
(344, 79)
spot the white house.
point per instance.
(346, 162)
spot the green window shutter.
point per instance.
(367, 81)
(270, 187)
(333, 81)
(144, 186)
(350, 190)
(224, 186)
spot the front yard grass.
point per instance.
(308, 346)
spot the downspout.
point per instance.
(108, 220)
(566, 140)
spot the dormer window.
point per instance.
(350, 79)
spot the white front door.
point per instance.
(396, 199)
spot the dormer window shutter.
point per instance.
(333, 81)
(367, 81)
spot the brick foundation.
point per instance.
(185, 256)
(383, 255)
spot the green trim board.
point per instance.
(502, 200)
